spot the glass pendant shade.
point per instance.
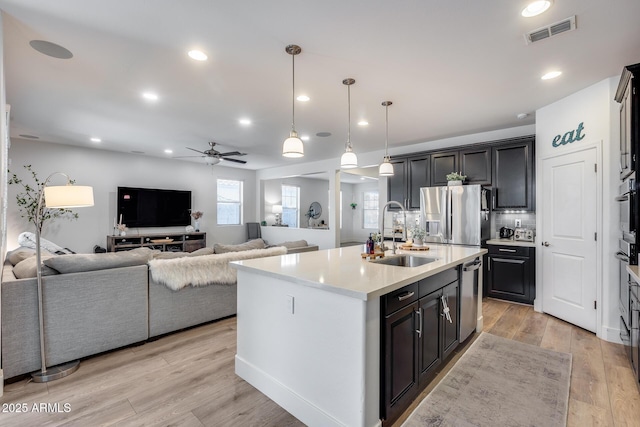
(386, 168)
(349, 160)
(292, 146)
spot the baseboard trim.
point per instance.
(611, 334)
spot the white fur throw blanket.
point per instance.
(204, 270)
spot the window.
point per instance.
(290, 205)
(370, 209)
(229, 202)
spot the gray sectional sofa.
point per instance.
(111, 306)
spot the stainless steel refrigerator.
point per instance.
(457, 215)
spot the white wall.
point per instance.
(353, 219)
(3, 174)
(595, 107)
(311, 190)
(105, 171)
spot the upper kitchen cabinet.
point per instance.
(397, 184)
(443, 164)
(475, 163)
(419, 176)
(410, 174)
(512, 176)
(628, 97)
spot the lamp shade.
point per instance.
(68, 196)
(276, 209)
(386, 168)
(349, 160)
(292, 146)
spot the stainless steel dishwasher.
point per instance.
(469, 298)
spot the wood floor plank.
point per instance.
(510, 321)
(614, 354)
(557, 336)
(492, 309)
(532, 329)
(584, 415)
(624, 396)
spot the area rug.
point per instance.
(500, 382)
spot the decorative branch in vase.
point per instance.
(455, 178)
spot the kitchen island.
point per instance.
(309, 328)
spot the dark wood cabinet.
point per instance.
(511, 273)
(443, 164)
(419, 170)
(417, 338)
(513, 187)
(475, 163)
(397, 184)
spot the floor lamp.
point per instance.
(55, 197)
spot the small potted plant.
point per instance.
(418, 234)
(196, 216)
(455, 178)
(353, 205)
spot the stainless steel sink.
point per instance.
(404, 260)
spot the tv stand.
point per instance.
(168, 242)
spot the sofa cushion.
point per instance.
(19, 254)
(171, 255)
(75, 263)
(251, 244)
(26, 268)
(294, 244)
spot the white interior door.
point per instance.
(569, 248)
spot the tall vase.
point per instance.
(197, 225)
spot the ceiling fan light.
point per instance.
(293, 146)
(349, 160)
(211, 160)
(386, 168)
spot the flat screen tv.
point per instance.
(151, 207)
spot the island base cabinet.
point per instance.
(417, 339)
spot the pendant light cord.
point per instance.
(293, 92)
(349, 116)
(386, 137)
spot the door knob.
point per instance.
(545, 243)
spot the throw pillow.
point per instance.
(294, 244)
(75, 263)
(171, 255)
(26, 268)
(20, 254)
(251, 244)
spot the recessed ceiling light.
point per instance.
(245, 122)
(168, 151)
(522, 116)
(363, 123)
(150, 96)
(536, 8)
(304, 137)
(198, 55)
(362, 178)
(51, 49)
(551, 75)
(303, 98)
(94, 139)
(323, 134)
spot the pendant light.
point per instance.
(292, 146)
(386, 168)
(349, 159)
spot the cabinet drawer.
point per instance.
(400, 298)
(505, 250)
(437, 281)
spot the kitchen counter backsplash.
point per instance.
(499, 220)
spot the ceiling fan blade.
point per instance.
(235, 160)
(185, 157)
(233, 153)
(197, 151)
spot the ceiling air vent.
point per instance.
(554, 29)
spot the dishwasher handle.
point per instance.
(473, 266)
(622, 256)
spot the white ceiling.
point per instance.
(450, 67)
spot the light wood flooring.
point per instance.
(187, 379)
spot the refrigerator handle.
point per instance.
(449, 216)
(493, 198)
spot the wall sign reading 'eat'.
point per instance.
(569, 137)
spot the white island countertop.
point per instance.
(343, 270)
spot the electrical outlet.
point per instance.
(518, 223)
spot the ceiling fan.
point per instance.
(213, 156)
